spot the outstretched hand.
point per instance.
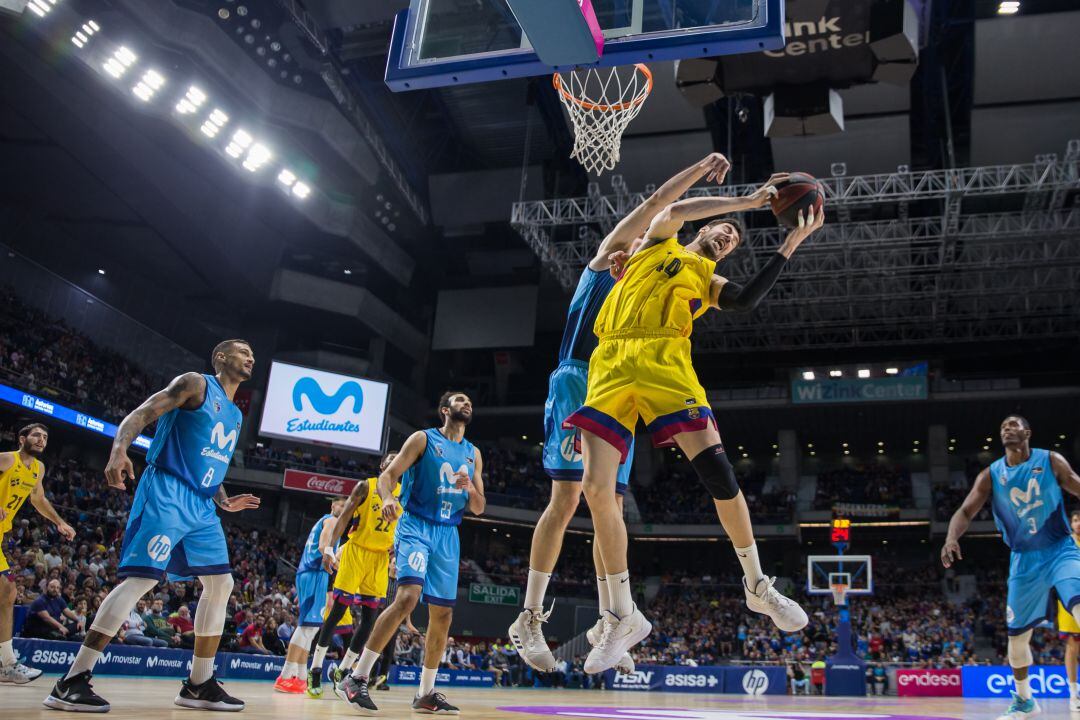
(768, 191)
(716, 166)
(618, 262)
(808, 223)
(236, 503)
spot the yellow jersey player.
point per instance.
(1070, 629)
(642, 369)
(363, 574)
(21, 474)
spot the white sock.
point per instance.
(7, 654)
(362, 668)
(85, 660)
(534, 590)
(347, 661)
(622, 601)
(201, 669)
(1075, 689)
(427, 680)
(602, 596)
(751, 566)
(1023, 687)
(290, 670)
(319, 656)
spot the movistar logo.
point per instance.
(326, 404)
(223, 440)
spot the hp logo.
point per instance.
(755, 682)
(566, 449)
(418, 561)
(159, 548)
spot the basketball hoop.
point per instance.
(839, 593)
(601, 103)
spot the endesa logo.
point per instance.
(929, 683)
(997, 681)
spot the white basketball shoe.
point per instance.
(528, 637)
(626, 663)
(765, 599)
(618, 636)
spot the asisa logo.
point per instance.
(323, 404)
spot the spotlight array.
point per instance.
(214, 123)
(82, 36)
(119, 62)
(192, 101)
(151, 82)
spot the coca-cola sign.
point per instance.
(318, 483)
(929, 683)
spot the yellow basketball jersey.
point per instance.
(371, 531)
(662, 290)
(15, 486)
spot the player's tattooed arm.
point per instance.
(961, 519)
(234, 503)
(712, 167)
(1066, 476)
(42, 505)
(410, 454)
(185, 391)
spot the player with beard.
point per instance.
(21, 472)
(173, 528)
(443, 474)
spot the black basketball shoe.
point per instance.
(434, 703)
(209, 695)
(76, 695)
(356, 694)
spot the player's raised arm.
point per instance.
(183, 391)
(1066, 476)
(337, 528)
(712, 167)
(727, 295)
(669, 220)
(961, 519)
(410, 454)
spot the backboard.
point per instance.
(439, 43)
(854, 571)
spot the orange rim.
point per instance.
(556, 80)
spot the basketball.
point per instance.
(798, 193)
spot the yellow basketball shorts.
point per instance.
(647, 377)
(5, 569)
(363, 576)
(1066, 622)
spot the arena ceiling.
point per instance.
(108, 186)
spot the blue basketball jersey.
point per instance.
(427, 490)
(1028, 506)
(579, 340)
(197, 445)
(311, 558)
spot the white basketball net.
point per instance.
(601, 103)
(839, 593)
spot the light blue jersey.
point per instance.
(428, 489)
(197, 445)
(311, 558)
(1028, 506)
(579, 340)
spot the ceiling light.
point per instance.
(808, 375)
(125, 56)
(989, 440)
(864, 372)
(113, 67)
(880, 452)
(915, 442)
(101, 271)
(845, 444)
(881, 443)
(93, 25)
(745, 455)
(810, 445)
(209, 129)
(234, 151)
(76, 41)
(80, 36)
(836, 373)
(286, 178)
(1008, 8)
(154, 79)
(223, 13)
(812, 453)
(143, 92)
(1061, 437)
(196, 96)
(847, 452)
(37, 11)
(348, 271)
(242, 138)
(301, 190)
(218, 117)
(891, 371)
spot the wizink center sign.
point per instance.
(868, 390)
(316, 406)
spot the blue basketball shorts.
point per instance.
(172, 529)
(311, 589)
(1035, 577)
(566, 395)
(428, 554)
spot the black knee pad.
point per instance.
(716, 473)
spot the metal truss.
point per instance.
(947, 278)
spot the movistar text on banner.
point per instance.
(64, 414)
(857, 390)
(326, 408)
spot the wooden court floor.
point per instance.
(152, 698)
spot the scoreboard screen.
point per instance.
(841, 530)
